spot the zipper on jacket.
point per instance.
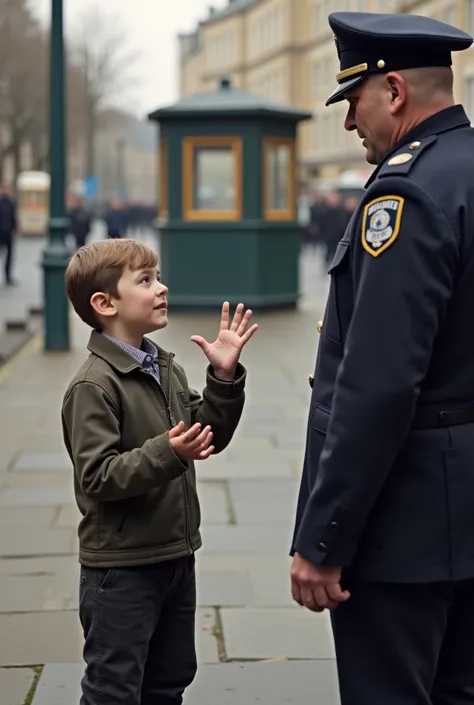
(172, 422)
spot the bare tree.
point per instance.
(22, 77)
(100, 51)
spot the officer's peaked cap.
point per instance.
(371, 43)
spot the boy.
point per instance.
(132, 428)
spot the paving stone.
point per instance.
(60, 684)
(37, 542)
(220, 468)
(271, 586)
(28, 642)
(293, 683)
(25, 480)
(15, 684)
(263, 412)
(37, 496)
(258, 538)
(206, 642)
(288, 442)
(26, 516)
(271, 633)
(269, 501)
(31, 594)
(27, 645)
(252, 449)
(214, 503)
(42, 566)
(223, 588)
(243, 561)
(221, 684)
(41, 462)
(69, 516)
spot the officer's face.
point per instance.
(369, 114)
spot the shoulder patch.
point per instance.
(402, 163)
(401, 158)
(381, 221)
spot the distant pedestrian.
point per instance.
(7, 231)
(79, 222)
(115, 220)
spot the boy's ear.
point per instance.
(103, 304)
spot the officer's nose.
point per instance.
(349, 122)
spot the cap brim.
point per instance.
(338, 93)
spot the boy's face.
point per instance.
(141, 307)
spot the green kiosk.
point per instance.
(228, 192)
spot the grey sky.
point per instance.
(152, 27)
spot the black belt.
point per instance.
(440, 417)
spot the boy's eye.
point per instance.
(145, 279)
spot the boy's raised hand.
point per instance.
(224, 353)
(192, 444)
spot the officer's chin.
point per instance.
(370, 156)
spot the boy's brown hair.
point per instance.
(98, 267)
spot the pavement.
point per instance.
(254, 643)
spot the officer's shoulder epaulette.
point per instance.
(401, 163)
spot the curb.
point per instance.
(18, 333)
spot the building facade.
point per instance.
(284, 50)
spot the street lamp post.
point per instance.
(55, 255)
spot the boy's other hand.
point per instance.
(224, 353)
(192, 444)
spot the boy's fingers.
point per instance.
(205, 453)
(201, 438)
(206, 441)
(191, 434)
(176, 430)
(246, 336)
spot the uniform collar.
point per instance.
(445, 120)
(116, 356)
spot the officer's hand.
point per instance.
(316, 587)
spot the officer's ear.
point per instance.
(398, 91)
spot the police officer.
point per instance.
(384, 533)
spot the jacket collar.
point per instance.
(445, 120)
(116, 356)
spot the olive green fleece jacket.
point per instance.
(138, 500)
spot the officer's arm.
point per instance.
(401, 299)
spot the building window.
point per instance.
(315, 79)
(316, 129)
(212, 178)
(470, 16)
(279, 178)
(320, 19)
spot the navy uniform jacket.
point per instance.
(388, 482)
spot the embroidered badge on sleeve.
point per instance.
(381, 223)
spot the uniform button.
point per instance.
(319, 327)
(322, 546)
(311, 381)
(148, 358)
(334, 525)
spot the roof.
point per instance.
(229, 102)
(233, 8)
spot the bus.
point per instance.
(33, 203)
